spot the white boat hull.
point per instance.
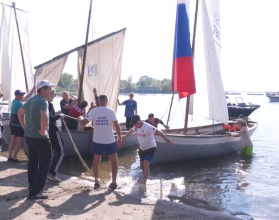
(196, 146)
(273, 98)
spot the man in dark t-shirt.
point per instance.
(66, 103)
(155, 121)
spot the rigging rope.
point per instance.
(77, 152)
(174, 113)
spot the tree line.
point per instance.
(163, 85)
(67, 82)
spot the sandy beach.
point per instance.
(74, 199)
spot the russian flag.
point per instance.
(183, 79)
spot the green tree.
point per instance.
(145, 81)
(66, 80)
(166, 85)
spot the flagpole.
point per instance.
(84, 56)
(193, 52)
(22, 58)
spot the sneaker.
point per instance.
(15, 161)
(53, 178)
(10, 159)
(97, 186)
(38, 196)
(113, 186)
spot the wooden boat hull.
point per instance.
(196, 146)
(83, 141)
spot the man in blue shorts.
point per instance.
(130, 109)
(145, 133)
(103, 119)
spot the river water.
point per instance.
(245, 188)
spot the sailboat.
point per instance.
(205, 86)
(15, 63)
(99, 66)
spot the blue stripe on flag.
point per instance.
(182, 45)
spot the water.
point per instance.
(246, 188)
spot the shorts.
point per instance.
(17, 131)
(248, 151)
(147, 154)
(100, 149)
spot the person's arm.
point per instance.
(29, 94)
(237, 134)
(162, 123)
(43, 125)
(20, 114)
(123, 103)
(73, 97)
(131, 131)
(44, 118)
(136, 108)
(68, 107)
(53, 117)
(169, 143)
(83, 121)
(118, 132)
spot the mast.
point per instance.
(170, 109)
(84, 55)
(193, 52)
(22, 58)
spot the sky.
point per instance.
(249, 35)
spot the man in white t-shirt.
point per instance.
(145, 133)
(103, 119)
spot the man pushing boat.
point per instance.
(145, 133)
(104, 142)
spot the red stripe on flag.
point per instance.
(183, 79)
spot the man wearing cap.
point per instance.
(130, 109)
(17, 132)
(36, 136)
(145, 133)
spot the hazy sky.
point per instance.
(249, 34)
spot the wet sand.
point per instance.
(74, 199)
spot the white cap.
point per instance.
(43, 83)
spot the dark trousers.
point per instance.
(128, 123)
(40, 155)
(58, 146)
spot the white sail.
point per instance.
(210, 98)
(12, 74)
(103, 68)
(51, 71)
